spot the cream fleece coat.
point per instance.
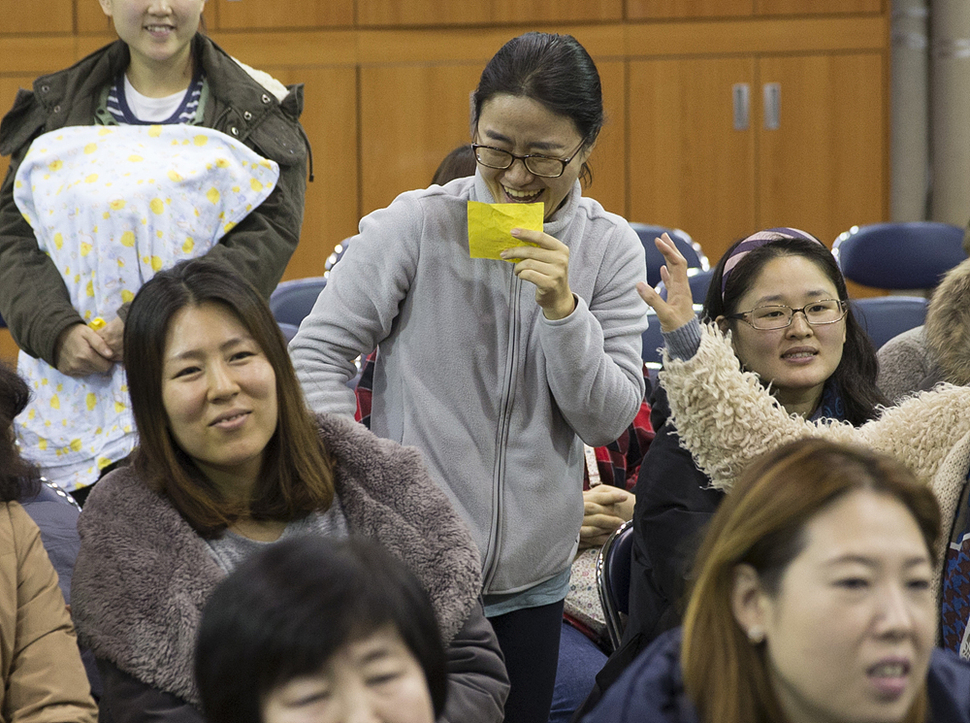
(726, 418)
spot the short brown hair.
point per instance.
(761, 523)
(297, 475)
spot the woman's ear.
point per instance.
(106, 7)
(747, 602)
(723, 323)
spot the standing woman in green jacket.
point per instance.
(166, 148)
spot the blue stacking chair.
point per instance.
(685, 244)
(883, 317)
(292, 301)
(911, 255)
(613, 579)
(652, 340)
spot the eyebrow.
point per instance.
(779, 298)
(536, 145)
(377, 653)
(197, 353)
(871, 562)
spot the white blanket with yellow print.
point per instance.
(111, 206)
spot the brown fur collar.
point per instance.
(143, 575)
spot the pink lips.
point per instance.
(890, 677)
(230, 420)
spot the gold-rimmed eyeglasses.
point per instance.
(778, 316)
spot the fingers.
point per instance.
(541, 238)
(601, 524)
(649, 294)
(113, 335)
(604, 495)
(592, 537)
(671, 253)
(81, 351)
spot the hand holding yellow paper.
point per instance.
(490, 227)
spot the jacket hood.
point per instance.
(948, 324)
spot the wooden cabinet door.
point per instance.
(331, 206)
(823, 168)
(49, 16)
(411, 117)
(391, 13)
(688, 166)
(299, 14)
(686, 9)
(817, 7)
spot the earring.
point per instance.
(756, 634)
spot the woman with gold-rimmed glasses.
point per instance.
(783, 299)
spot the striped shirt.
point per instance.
(120, 109)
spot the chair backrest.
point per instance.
(613, 579)
(899, 255)
(883, 317)
(653, 342)
(291, 301)
(50, 492)
(338, 251)
(685, 244)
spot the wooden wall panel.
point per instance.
(91, 18)
(817, 7)
(329, 119)
(609, 157)
(650, 9)
(31, 56)
(57, 16)
(394, 13)
(8, 349)
(681, 127)
(822, 170)
(411, 117)
(299, 14)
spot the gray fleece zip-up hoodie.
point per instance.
(497, 397)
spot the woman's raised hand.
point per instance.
(678, 309)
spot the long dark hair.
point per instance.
(285, 612)
(761, 524)
(297, 475)
(18, 478)
(856, 373)
(554, 70)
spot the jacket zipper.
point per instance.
(494, 552)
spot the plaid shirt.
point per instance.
(618, 462)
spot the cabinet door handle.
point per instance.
(772, 104)
(741, 93)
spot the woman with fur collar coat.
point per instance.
(230, 460)
(726, 419)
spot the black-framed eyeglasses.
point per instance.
(536, 164)
(766, 318)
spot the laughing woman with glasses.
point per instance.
(499, 369)
(782, 297)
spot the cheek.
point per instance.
(754, 350)
(182, 405)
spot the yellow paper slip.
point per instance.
(490, 227)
